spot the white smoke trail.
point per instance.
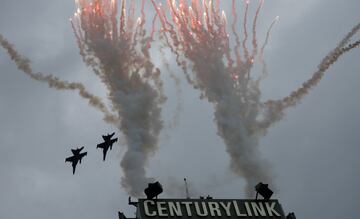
(223, 82)
(240, 116)
(275, 108)
(119, 54)
(23, 64)
(261, 56)
(178, 90)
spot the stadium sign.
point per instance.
(209, 208)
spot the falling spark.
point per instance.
(119, 55)
(225, 79)
(261, 56)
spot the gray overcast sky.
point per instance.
(313, 151)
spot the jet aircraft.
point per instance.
(77, 156)
(108, 143)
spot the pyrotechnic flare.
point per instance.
(118, 52)
(275, 108)
(261, 56)
(23, 64)
(223, 77)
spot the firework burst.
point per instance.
(197, 33)
(117, 49)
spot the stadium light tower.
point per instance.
(153, 190)
(264, 191)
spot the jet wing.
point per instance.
(108, 136)
(70, 159)
(102, 145)
(83, 155)
(113, 140)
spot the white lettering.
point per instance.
(226, 208)
(175, 210)
(237, 210)
(248, 209)
(210, 208)
(258, 208)
(214, 207)
(146, 208)
(187, 206)
(198, 211)
(161, 209)
(271, 209)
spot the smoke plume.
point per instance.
(118, 52)
(275, 108)
(197, 34)
(23, 64)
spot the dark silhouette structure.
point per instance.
(77, 156)
(189, 208)
(264, 191)
(291, 216)
(108, 142)
(153, 190)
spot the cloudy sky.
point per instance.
(313, 151)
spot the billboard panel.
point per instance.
(209, 208)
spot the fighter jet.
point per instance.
(77, 156)
(108, 142)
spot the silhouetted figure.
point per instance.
(77, 156)
(108, 143)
